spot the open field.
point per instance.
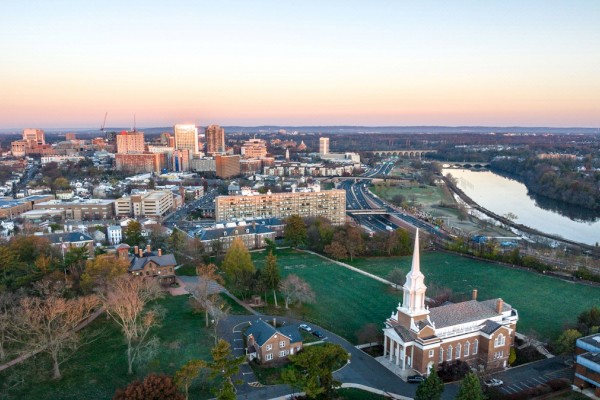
(346, 300)
(99, 368)
(422, 194)
(545, 304)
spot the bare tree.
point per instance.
(125, 302)
(202, 292)
(396, 276)
(7, 303)
(295, 289)
(48, 325)
(218, 311)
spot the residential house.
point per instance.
(268, 344)
(156, 264)
(68, 240)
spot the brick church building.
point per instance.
(419, 338)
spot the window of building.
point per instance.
(431, 353)
(282, 353)
(458, 350)
(467, 348)
(475, 346)
(441, 360)
(269, 347)
(282, 344)
(500, 340)
(269, 357)
(449, 357)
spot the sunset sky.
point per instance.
(532, 63)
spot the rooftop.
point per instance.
(466, 311)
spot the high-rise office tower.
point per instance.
(186, 138)
(130, 142)
(215, 139)
(324, 145)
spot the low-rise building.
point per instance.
(268, 344)
(155, 264)
(115, 234)
(10, 208)
(587, 367)
(68, 240)
(91, 209)
(253, 236)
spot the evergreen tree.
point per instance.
(470, 388)
(271, 275)
(431, 388)
(237, 266)
(133, 233)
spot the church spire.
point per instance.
(414, 288)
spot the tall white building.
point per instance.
(323, 145)
(186, 138)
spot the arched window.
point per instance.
(441, 355)
(449, 358)
(475, 346)
(467, 348)
(500, 340)
(458, 350)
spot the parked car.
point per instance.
(493, 382)
(318, 334)
(305, 328)
(415, 379)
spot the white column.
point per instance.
(391, 349)
(398, 355)
(385, 340)
(404, 359)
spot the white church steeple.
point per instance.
(413, 302)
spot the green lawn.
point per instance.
(425, 195)
(545, 304)
(98, 369)
(346, 300)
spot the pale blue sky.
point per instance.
(65, 63)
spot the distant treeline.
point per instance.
(561, 179)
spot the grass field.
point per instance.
(545, 304)
(98, 369)
(346, 300)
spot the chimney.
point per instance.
(499, 306)
(135, 250)
(148, 248)
(474, 295)
(141, 253)
(159, 252)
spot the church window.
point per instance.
(475, 346)
(449, 357)
(458, 350)
(441, 355)
(467, 348)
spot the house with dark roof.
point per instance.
(587, 365)
(418, 338)
(253, 235)
(268, 344)
(153, 263)
(68, 240)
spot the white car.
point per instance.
(305, 327)
(493, 382)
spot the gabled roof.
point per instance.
(69, 237)
(466, 311)
(490, 327)
(262, 332)
(138, 263)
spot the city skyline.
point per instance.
(267, 63)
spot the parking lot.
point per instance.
(530, 375)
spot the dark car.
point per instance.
(415, 379)
(318, 334)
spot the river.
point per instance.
(502, 196)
